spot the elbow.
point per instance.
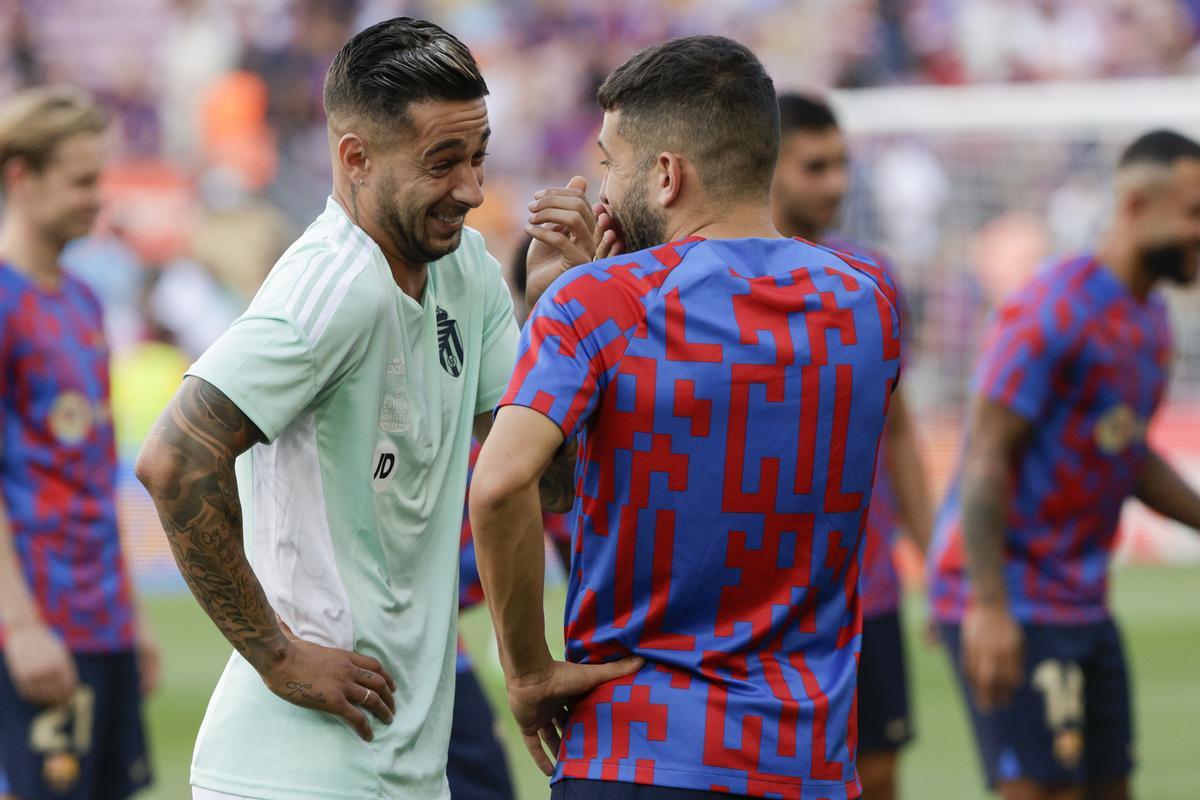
(155, 467)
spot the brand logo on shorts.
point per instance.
(383, 466)
(450, 345)
(60, 771)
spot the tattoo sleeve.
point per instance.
(557, 485)
(997, 438)
(187, 466)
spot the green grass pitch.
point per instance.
(1159, 609)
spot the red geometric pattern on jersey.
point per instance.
(1086, 363)
(879, 584)
(728, 397)
(58, 460)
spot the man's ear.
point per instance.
(353, 158)
(669, 177)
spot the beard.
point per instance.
(1171, 262)
(408, 228)
(641, 227)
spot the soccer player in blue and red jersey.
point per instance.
(70, 681)
(811, 180)
(728, 388)
(1072, 371)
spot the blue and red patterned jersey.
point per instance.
(879, 584)
(58, 460)
(728, 396)
(1085, 362)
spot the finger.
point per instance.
(552, 739)
(372, 664)
(376, 683)
(567, 249)
(357, 719)
(578, 182)
(568, 221)
(370, 700)
(585, 677)
(574, 204)
(533, 743)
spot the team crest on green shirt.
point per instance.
(450, 346)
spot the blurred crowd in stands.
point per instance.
(220, 153)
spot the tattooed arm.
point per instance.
(187, 465)
(992, 642)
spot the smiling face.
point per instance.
(423, 184)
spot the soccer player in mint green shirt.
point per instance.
(347, 394)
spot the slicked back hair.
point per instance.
(388, 66)
(705, 97)
(1161, 148)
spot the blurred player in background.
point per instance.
(1071, 374)
(811, 179)
(348, 393)
(728, 390)
(77, 655)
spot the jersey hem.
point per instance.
(271, 791)
(697, 780)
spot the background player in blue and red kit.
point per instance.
(70, 682)
(728, 390)
(811, 180)
(1072, 371)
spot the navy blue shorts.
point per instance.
(1071, 721)
(92, 748)
(883, 720)
(576, 789)
(476, 767)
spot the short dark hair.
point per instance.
(708, 97)
(1159, 148)
(805, 112)
(391, 64)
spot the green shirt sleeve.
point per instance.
(265, 366)
(500, 337)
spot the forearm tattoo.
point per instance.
(202, 432)
(985, 509)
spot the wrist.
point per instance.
(528, 671)
(269, 659)
(24, 619)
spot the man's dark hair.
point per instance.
(704, 96)
(391, 64)
(805, 113)
(1159, 148)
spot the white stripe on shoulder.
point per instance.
(339, 292)
(345, 263)
(316, 265)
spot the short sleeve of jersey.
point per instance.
(1020, 360)
(265, 366)
(559, 371)
(499, 338)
